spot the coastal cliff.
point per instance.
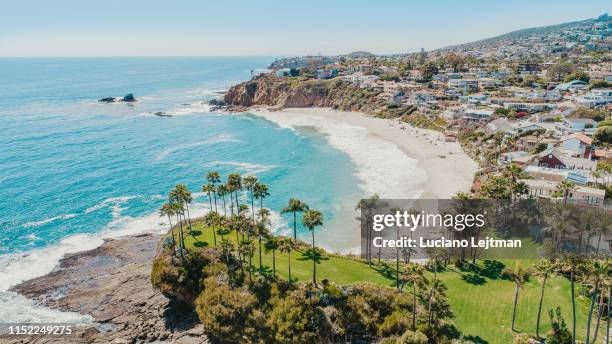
(301, 93)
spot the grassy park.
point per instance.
(480, 297)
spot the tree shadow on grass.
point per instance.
(195, 233)
(385, 270)
(309, 255)
(473, 278)
(491, 269)
(200, 244)
(476, 339)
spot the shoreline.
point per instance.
(111, 284)
(85, 282)
(444, 176)
(392, 162)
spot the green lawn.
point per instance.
(481, 300)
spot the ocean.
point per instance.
(75, 171)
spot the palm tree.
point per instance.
(366, 205)
(565, 188)
(571, 264)
(285, 245)
(168, 210)
(249, 182)
(247, 249)
(311, 219)
(234, 182)
(210, 220)
(543, 270)
(182, 195)
(519, 275)
(272, 244)
(598, 272)
(209, 188)
(213, 178)
(294, 206)
(227, 247)
(260, 191)
(178, 210)
(414, 274)
(261, 231)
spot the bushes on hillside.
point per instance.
(298, 319)
(229, 315)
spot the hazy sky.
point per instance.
(266, 27)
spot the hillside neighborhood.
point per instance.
(537, 99)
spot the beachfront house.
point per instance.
(582, 194)
(477, 115)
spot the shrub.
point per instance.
(227, 314)
(368, 305)
(411, 337)
(522, 339)
(559, 333)
(180, 278)
(298, 319)
(396, 323)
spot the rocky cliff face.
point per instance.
(297, 93)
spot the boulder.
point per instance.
(129, 98)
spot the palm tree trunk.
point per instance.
(260, 263)
(540, 308)
(210, 202)
(599, 314)
(188, 216)
(295, 225)
(180, 234)
(252, 206)
(593, 298)
(573, 307)
(314, 262)
(172, 234)
(516, 293)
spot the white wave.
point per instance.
(216, 139)
(19, 267)
(49, 220)
(18, 309)
(245, 167)
(382, 167)
(189, 109)
(112, 201)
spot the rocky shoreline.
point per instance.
(112, 284)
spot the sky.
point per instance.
(46, 28)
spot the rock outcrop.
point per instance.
(112, 284)
(298, 93)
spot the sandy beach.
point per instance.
(392, 160)
(448, 169)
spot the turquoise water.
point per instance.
(74, 171)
